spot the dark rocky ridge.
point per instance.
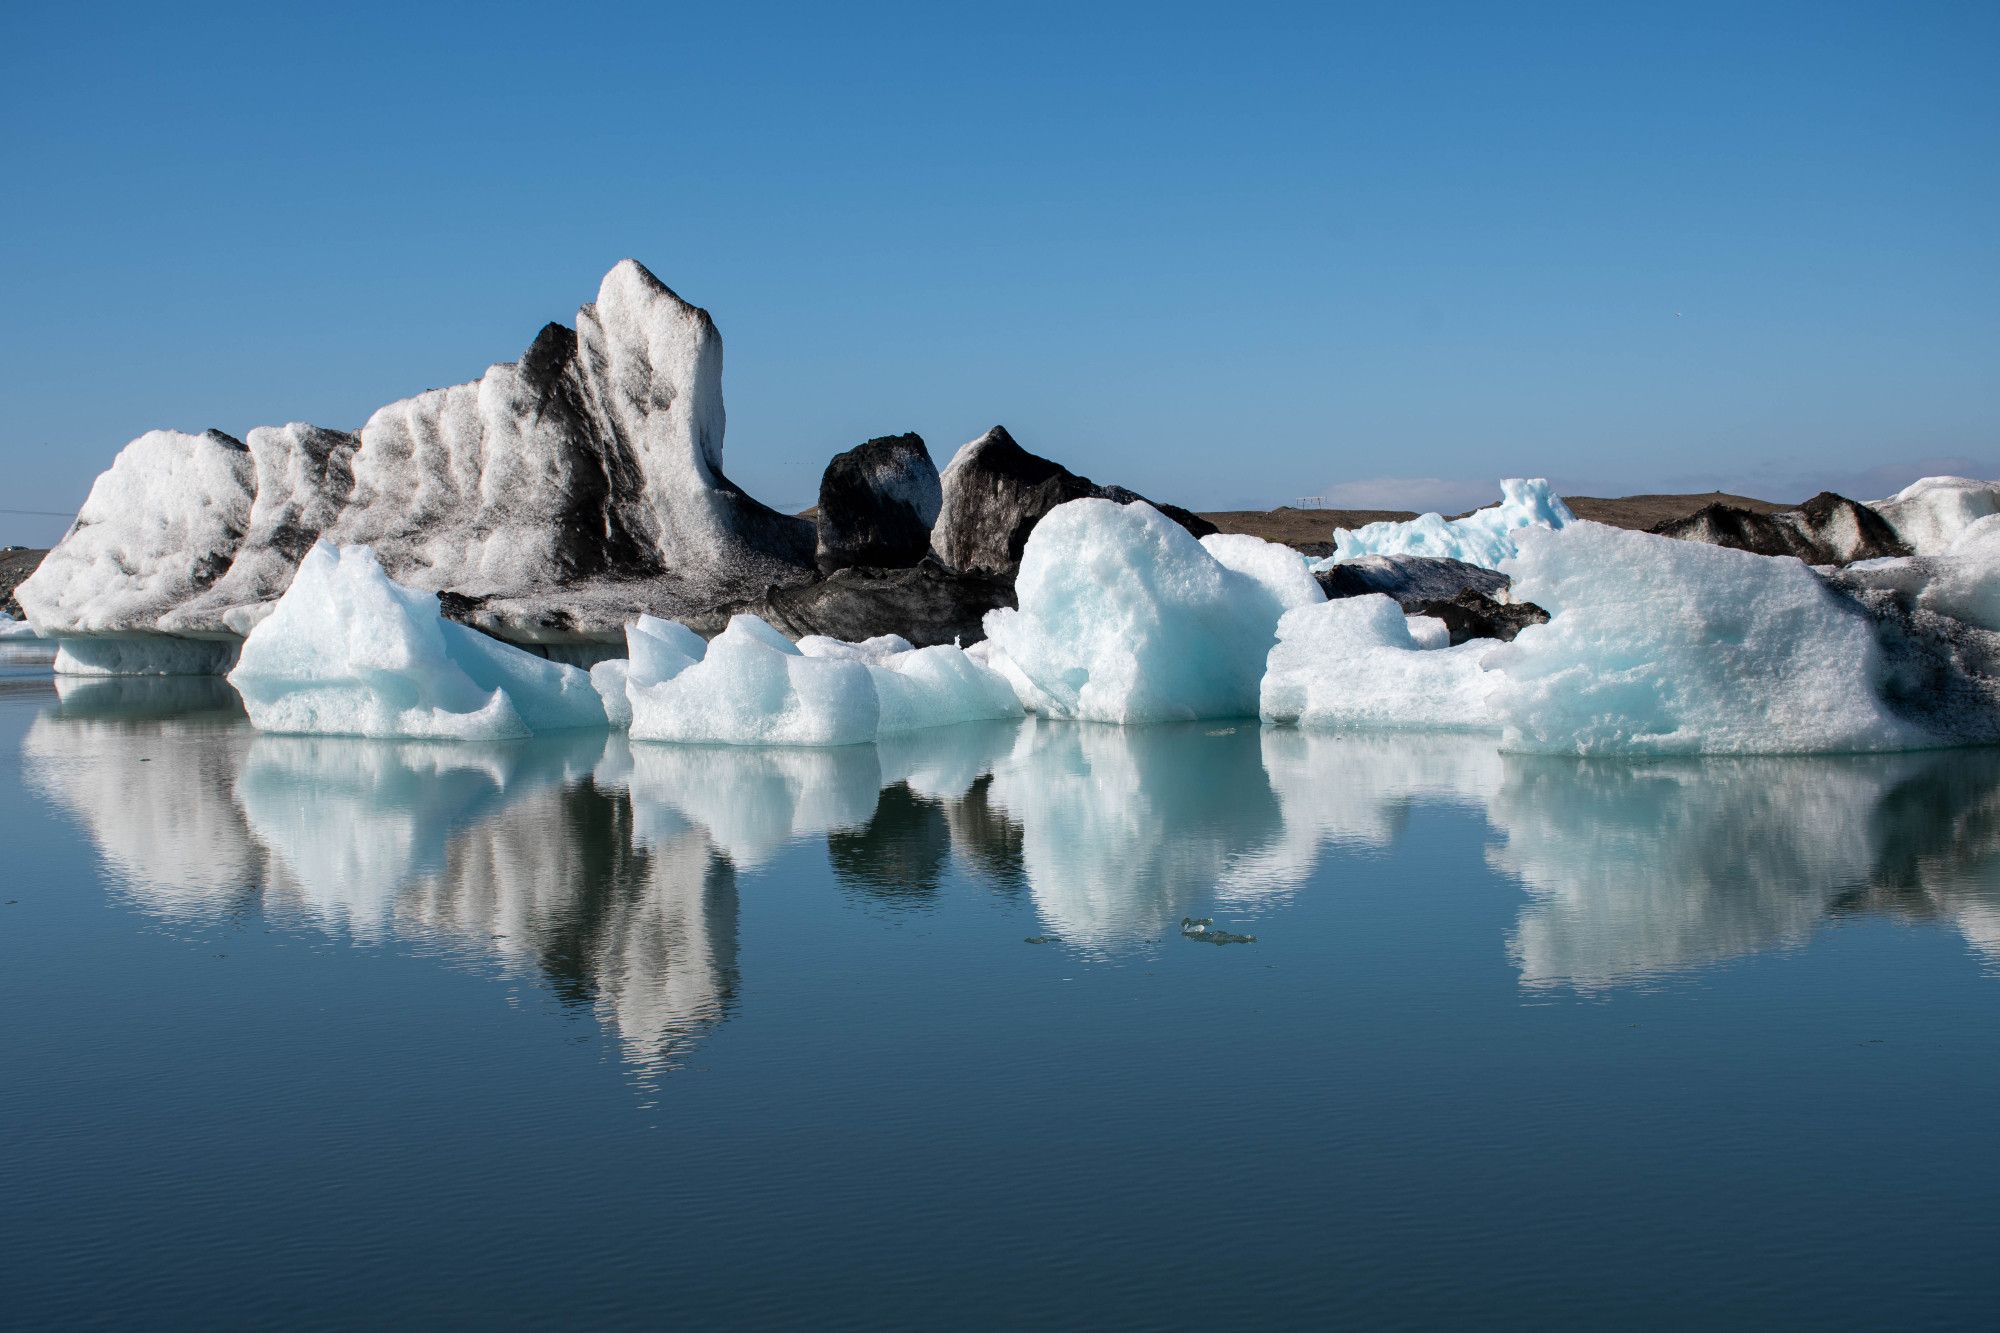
(1828, 529)
(1466, 597)
(1472, 614)
(877, 503)
(995, 492)
(926, 604)
(1410, 579)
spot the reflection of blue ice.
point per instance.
(611, 867)
(1642, 870)
(351, 823)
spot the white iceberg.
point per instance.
(1126, 618)
(655, 650)
(1358, 663)
(300, 477)
(1929, 515)
(939, 686)
(1484, 537)
(346, 651)
(1658, 646)
(754, 687)
(160, 525)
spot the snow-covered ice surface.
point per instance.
(613, 433)
(1962, 581)
(1126, 618)
(1358, 663)
(1484, 538)
(347, 651)
(159, 526)
(1657, 646)
(561, 493)
(1929, 515)
(300, 478)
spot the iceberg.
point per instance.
(1962, 582)
(566, 490)
(939, 686)
(1656, 646)
(301, 475)
(1929, 515)
(1484, 537)
(347, 651)
(556, 495)
(1360, 662)
(1124, 617)
(754, 687)
(159, 526)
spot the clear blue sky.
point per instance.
(1226, 255)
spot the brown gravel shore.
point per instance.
(15, 566)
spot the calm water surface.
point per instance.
(311, 1031)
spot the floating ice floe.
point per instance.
(1360, 662)
(1929, 515)
(753, 686)
(347, 651)
(1657, 646)
(1124, 617)
(1484, 537)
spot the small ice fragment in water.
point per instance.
(1203, 928)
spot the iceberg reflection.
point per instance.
(610, 869)
(1642, 870)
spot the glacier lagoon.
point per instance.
(575, 1029)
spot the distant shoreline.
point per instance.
(1311, 530)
